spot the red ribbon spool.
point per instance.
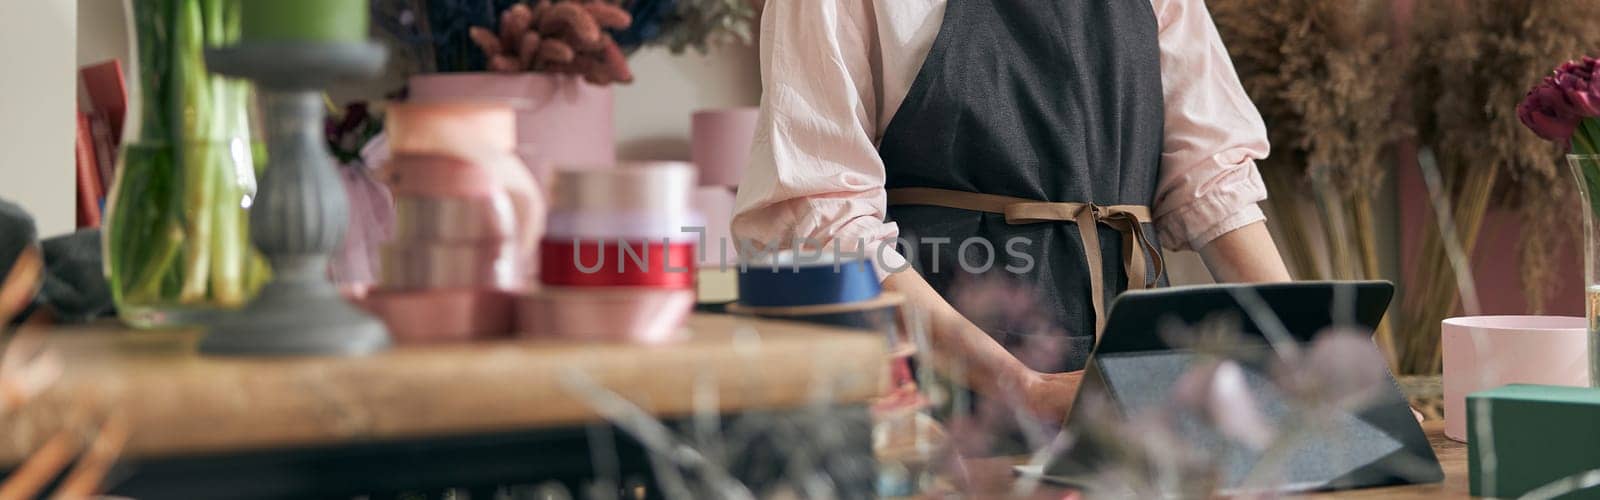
(582, 263)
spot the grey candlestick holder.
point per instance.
(300, 211)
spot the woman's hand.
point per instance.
(1049, 396)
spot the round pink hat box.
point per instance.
(1546, 350)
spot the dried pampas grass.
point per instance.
(1325, 76)
(1475, 62)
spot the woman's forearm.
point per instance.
(986, 366)
(1245, 255)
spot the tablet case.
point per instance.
(1133, 368)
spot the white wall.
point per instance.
(38, 40)
(652, 114)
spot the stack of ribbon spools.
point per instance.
(618, 256)
(720, 148)
(827, 288)
(467, 214)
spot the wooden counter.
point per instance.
(181, 404)
(994, 477)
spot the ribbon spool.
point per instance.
(792, 279)
(641, 187)
(617, 314)
(820, 290)
(491, 266)
(426, 316)
(591, 263)
(674, 226)
(441, 219)
(881, 313)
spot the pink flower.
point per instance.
(1217, 389)
(1343, 369)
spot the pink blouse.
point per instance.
(835, 71)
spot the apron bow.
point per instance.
(1126, 219)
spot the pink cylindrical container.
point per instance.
(720, 141)
(1546, 350)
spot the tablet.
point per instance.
(1134, 369)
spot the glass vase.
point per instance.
(1586, 170)
(176, 239)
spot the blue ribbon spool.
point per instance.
(787, 281)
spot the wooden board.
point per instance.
(181, 403)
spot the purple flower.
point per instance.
(1547, 112)
(1555, 107)
(1580, 84)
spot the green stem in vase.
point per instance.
(1587, 169)
(193, 146)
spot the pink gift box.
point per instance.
(1546, 350)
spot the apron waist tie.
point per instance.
(1127, 219)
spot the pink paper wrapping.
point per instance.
(354, 265)
(636, 315)
(715, 203)
(1547, 350)
(561, 120)
(720, 144)
(431, 316)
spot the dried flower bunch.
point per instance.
(561, 36)
(699, 24)
(1310, 66)
(1474, 65)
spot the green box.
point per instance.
(1540, 434)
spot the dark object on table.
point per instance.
(75, 286)
(1133, 368)
(1540, 434)
(16, 233)
(19, 261)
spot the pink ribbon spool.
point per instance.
(633, 315)
(431, 316)
(661, 187)
(675, 226)
(476, 219)
(1546, 350)
(414, 266)
(720, 141)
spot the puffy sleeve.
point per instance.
(815, 175)
(1209, 184)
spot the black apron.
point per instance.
(1036, 100)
